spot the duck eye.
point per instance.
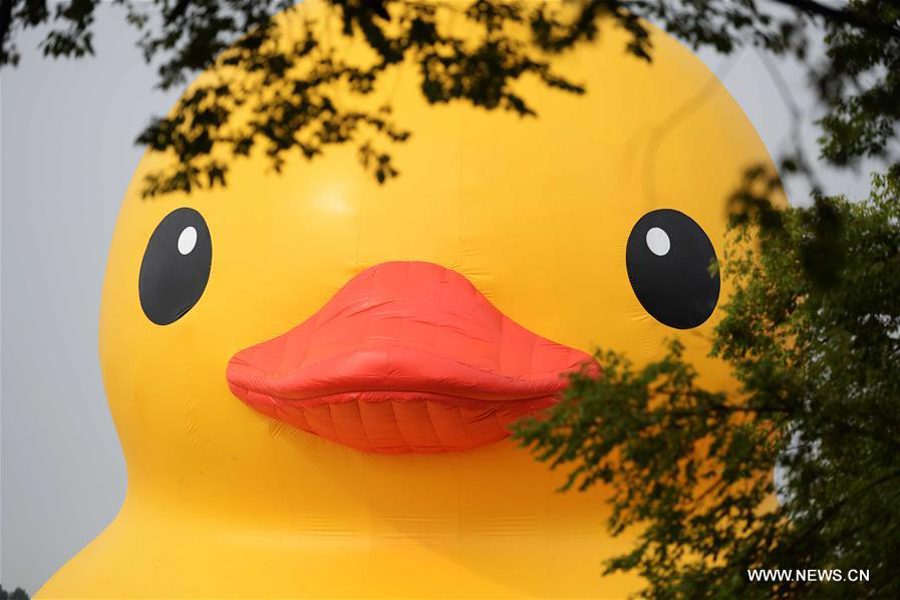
(668, 258)
(175, 267)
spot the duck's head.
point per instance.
(321, 341)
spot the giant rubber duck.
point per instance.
(313, 375)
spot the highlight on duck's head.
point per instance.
(317, 339)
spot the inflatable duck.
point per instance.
(312, 375)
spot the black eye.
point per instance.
(668, 258)
(176, 266)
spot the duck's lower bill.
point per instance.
(406, 357)
(399, 422)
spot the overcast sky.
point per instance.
(66, 157)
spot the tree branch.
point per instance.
(839, 15)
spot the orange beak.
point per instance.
(406, 357)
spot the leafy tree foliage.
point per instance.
(289, 90)
(692, 468)
(16, 594)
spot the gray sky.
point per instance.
(66, 158)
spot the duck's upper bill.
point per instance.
(406, 357)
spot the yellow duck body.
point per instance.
(225, 502)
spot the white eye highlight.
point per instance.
(188, 239)
(658, 241)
